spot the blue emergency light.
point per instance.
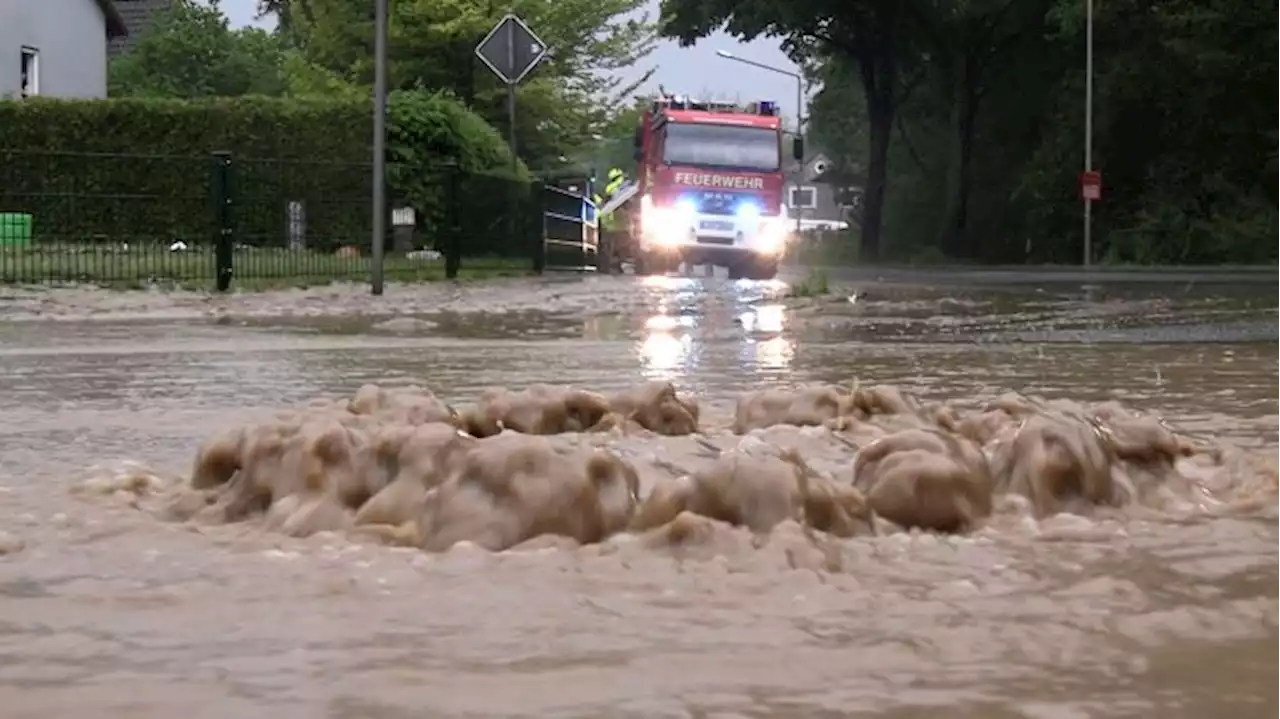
(768, 107)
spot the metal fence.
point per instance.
(219, 220)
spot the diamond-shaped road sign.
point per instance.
(511, 49)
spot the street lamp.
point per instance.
(799, 111)
(1088, 126)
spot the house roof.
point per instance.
(115, 23)
(138, 16)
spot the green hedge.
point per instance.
(455, 170)
(139, 170)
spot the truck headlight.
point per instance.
(669, 228)
(664, 225)
(771, 237)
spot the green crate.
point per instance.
(15, 229)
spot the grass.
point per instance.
(140, 267)
(813, 285)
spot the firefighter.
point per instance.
(608, 221)
(615, 182)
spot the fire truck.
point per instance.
(708, 188)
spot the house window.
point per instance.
(30, 71)
(802, 197)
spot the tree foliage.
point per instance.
(562, 104)
(325, 48)
(192, 52)
(969, 115)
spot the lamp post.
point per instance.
(1088, 127)
(379, 145)
(799, 111)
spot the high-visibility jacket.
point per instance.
(606, 220)
(616, 181)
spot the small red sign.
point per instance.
(1091, 185)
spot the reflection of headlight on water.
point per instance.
(770, 318)
(664, 282)
(774, 354)
(666, 323)
(764, 318)
(663, 353)
(661, 323)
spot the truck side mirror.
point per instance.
(797, 148)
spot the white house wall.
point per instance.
(71, 37)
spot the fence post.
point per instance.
(538, 225)
(224, 238)
(453, 243)
(591, 236)
(537, 215)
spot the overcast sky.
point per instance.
(681, 70)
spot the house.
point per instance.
(56, 47)
(824, 197)
(139, 15)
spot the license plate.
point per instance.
(715, 225)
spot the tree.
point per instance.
(564, 102)
(191, 52)
(988, 133)
(614, 145)
(1184, 133)
(837, 121)
(965, 40)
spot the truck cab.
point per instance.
(710, 187)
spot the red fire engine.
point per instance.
(709, 184)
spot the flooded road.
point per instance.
(107, 611)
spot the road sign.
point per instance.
(511, 49)
(1091, 185)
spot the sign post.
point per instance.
(1088, 137)
(511, 51)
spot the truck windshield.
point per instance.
(728, 146)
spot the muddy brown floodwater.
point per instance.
(107, 611)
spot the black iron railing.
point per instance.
(219, 220)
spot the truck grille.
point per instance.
(718, 203)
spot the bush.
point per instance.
(455, 170)
(141, 170)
